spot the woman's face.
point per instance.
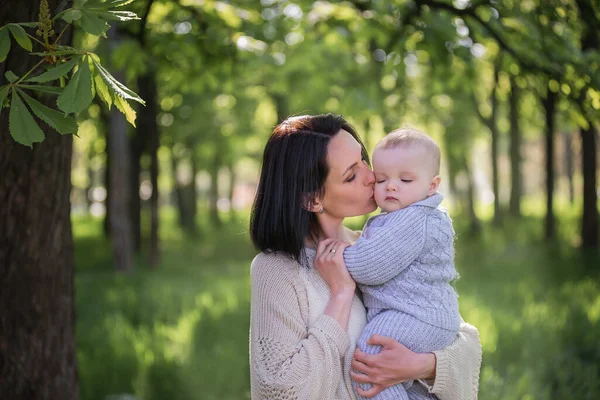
(349, 185)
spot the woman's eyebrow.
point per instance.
(349, 168)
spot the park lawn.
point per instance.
(180, 331)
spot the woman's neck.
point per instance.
(333, 229)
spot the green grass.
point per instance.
(180, 331)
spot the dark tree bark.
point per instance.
(37, 317)
(282, 107)
(493, 126)
(589, 218)
(213, 193)
(148, 128)
(549, 107)
(569, 167)
(515, 150)
(474, 222)
(136, 149)
(589, 222)
(120, 174)
(232, 182)
(185, 196)
(90, 178)
(105, 117)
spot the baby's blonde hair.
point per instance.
(409, 137)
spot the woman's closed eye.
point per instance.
(351, 178)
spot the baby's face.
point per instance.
(403, 176)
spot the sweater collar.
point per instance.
(432, 201)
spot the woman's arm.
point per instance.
(458, 366)
(289, 357)
(454, 370)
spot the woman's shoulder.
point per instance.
(273, 264)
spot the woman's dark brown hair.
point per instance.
(294, 171)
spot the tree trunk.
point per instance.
(185, 197)
(120, 185)
(589, 219)
(569, 168)
(137, 144)
(147, 133)
(193, 193)
(214, 190)
(282, 107)
(232, 181)
(105, 117)
(493, 126)
(515, 150)
(37, 318)
(474, 222)
(589, 226)
(90, 179)
(549, 108)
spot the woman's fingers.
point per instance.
(324, 248)
(363, 357)
(361, 367)
(360, 378)
(371, 392)
(383, 341)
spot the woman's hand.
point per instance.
(329, 261)
(394, 364)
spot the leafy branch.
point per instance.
(80, 73)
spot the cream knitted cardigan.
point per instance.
(299, 353)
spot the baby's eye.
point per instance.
(381, 181)
(407, 180)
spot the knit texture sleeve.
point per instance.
(458, 366)
(389, 249)
(290, 358)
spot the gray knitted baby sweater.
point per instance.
(404, 260)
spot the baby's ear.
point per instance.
(434, 184)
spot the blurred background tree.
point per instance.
(509, 89)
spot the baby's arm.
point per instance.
(389, 249)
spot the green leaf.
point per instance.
(4, 44)
(117, 86)
(60, 122)
(96, 4)
(57, 53)
(92, 24)
(117, 15)
(77, 95)
(21, 124)
(3, 94)
(102, 89)
(71, 15)
(20, 36)
(11, 76)
(45, 89)
(126, 109)
(56, 72)
(29, 24)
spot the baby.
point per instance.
(404, 260)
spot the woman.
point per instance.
(305, 312)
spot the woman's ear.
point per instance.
(434, 184)
(312, 204)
